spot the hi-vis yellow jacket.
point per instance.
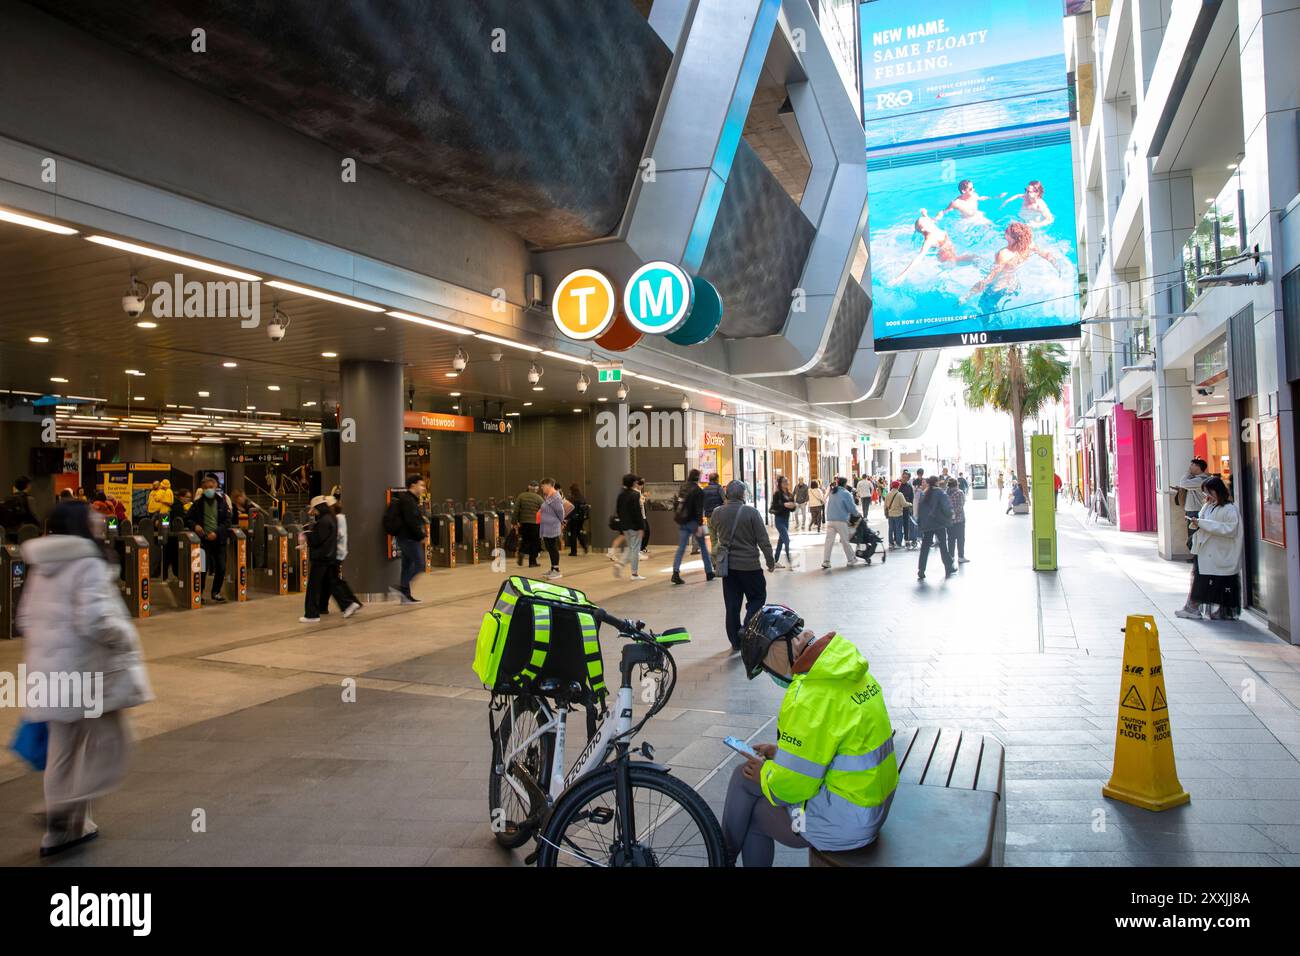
(835, 751)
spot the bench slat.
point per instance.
(918, 758)
(990, 776)
(965, 768)
(903, 740)
(945, 752)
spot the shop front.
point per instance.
(751, 461)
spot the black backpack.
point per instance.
(12, 513)
(393, 517)
(680, 511)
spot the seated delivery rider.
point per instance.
(831, 776)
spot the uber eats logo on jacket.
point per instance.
(788, 739)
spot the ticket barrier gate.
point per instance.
(298, 553)
(440, 543)
(257, 540)
(235, 587)
(465, 530)
(272, 577)
(13, 573)
(186, 591)
(135, 573)
(485, 521)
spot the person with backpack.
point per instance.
(934, 515)
(782, 505)
(801, 505)
(714, 498)
(631, 524)
(689, 515)
(957, 530)
(896, 514)
(405, 523)
(16, 510)
(743, 551)
(528, 514)
(578, 518)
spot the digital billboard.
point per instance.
(971, 229)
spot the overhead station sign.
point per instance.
(969, 173)
(659, 298)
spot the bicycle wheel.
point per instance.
(674, 826)
(515, 818)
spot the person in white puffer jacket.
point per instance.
(74, 622)
(1217, 545)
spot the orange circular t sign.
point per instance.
(583, 304)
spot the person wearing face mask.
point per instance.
(209, 518)
(829, 780)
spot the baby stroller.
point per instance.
(867, 543)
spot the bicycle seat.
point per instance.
(562, 691)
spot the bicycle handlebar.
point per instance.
(634, 629)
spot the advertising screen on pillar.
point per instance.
(970, 181)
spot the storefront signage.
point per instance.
(496, 426)
(437, 422)
(583, 304)
(751, 436)
(780, 438)
(715, 439)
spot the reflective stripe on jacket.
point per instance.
(835, 751)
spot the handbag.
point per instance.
(32, 743)
(722, 556)
(615, 524)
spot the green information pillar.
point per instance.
(1043, 502)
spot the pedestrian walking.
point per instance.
(896, 513)
(801, 505)
(781, 507)
(957, 530)
(74, 622)
(840, 513)
(1216, 562)
(528, 514)
(816, 505)
(553, 511)
(575, 526)
(209, 518)
(909, 509)
(631, 520)
(743, 551)
(689, 515)
(404, 522)
(934, 515)
(322, 553)
(713, 500)
(866, 490)
(342, 588)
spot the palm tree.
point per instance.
(1015, 379)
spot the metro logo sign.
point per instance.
(658, 297)
(583, 304)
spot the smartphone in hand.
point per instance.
(742, 748)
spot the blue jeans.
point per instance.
(896, 526)
(412, 562)
(684, 534)
(782, 537)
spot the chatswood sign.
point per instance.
(659, 298)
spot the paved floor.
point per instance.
(255, 754)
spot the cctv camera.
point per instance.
(582, 383)
(686, 404)
(497, 355)
(137, 296)
(534, 374)
(622, 392)
(278, 326)
(461, 360)
(1204, 391)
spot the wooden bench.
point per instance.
(948, 810)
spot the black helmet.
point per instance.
(773, 622)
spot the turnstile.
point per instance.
(273, 576)
(465, 530)
(235, 587)
(440, 543)
(257, 538)
(186, 591)
(135, 574)
(297, 558)
(485, 520)
(13, 573)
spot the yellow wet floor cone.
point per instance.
(1144, 773)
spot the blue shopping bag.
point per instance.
(32, 743)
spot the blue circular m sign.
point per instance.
(658, 298)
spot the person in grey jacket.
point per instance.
(742, 541)
(79, 634)
(934, 515)
(840, 509)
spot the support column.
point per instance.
(134, 446)
(234, 469)
(371, 463)
(608, 466)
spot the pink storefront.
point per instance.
(1135, 471)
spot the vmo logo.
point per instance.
(893, 100)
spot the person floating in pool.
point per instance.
(935, 238)
(1001, 281)
(967, 205)
(1033, 211)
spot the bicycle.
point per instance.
(608, 810)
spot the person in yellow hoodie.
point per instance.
(160, 497)
(830, 778)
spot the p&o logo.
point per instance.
(893, 100)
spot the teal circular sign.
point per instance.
(705, 317)
(658, 298)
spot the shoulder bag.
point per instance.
(722, 558)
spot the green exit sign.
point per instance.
(610, 375)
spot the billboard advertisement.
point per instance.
(971, 229)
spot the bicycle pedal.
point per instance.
(531, 858)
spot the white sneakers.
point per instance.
(1190, 614)
(553, 574)
(637, 577)
(352, 609)
(316, 620)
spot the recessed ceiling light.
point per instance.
(539, 388)
(509, 342)
(451, 374)
(55, 378)
(455, 408)
(432, 323)
(647, 406)
(308, 404)
(38, 339)
(329, 355)
(135, 371)
(327, 296)
(173, 257)
(204, 394)
(229, 364)
(1232, 165)
(512, 414)
(526, 404)
(273, 388)
(146, 325)
(250, 408)
(578, 410)
(139, 398)
(455, 394)
(19, 219)
(602, 399)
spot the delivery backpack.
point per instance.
(522, 641)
